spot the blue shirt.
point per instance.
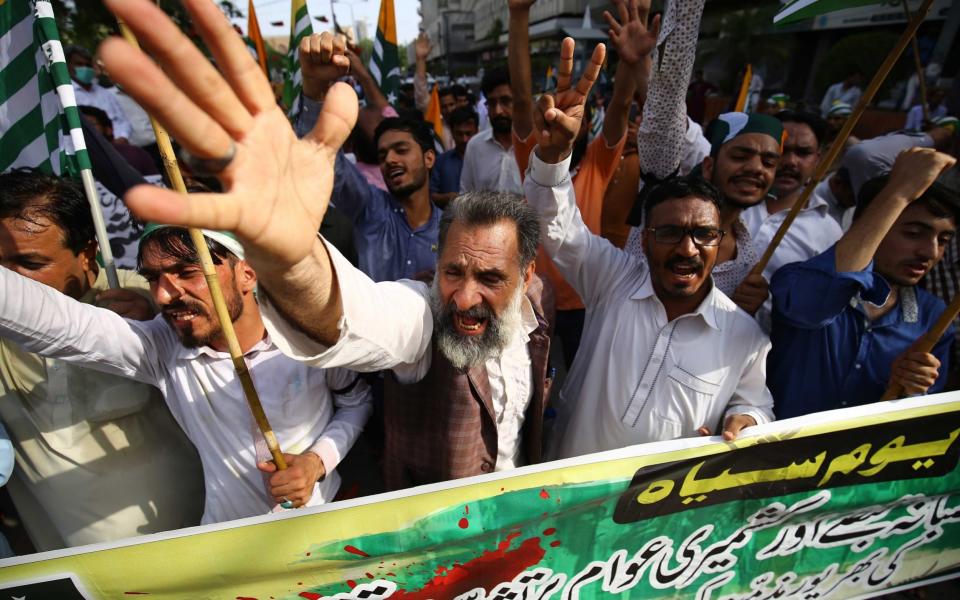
(445, 175)
(826, 354)
(387, 247)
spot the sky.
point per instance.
(408, 20)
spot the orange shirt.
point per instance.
(590, 182)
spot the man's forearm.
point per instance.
(518, 60)
(615, 121)
(371, 90)
(307, 294)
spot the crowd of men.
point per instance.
(421, 318)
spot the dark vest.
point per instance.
(444, 426)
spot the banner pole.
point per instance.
(841, 140)
(213, 283)
(100, 228)
(921, 78)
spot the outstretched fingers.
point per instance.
(182, 63)
(615, 27)
(146, 83)
(160, 205)
(592, 72)
(565, 69)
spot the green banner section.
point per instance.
(835, 505)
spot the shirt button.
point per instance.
(409, 262)
(486, 467)
(857, 366)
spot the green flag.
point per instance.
(39, 120)
(799, 10)
(385, 62)
(300, 28)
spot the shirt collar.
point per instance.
(707, 309)
(185, 353)
(907, 300)
(528, 318)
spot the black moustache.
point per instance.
(684, 262)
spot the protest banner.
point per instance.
(840, 504)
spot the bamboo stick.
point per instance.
(928, 340)
(838, 143)
(921, 77)
(213, 283)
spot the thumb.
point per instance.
(337, 118)
(267, 467)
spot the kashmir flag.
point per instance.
(744, 96)
(433, 116)
(300, 28)
(39, 120)
(385, 62)
(799, 10)
(253, 34)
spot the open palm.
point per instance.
(630, 36)
(277, 188)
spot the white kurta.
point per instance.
(638, 377)
(488, 166)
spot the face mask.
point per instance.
(84, 75)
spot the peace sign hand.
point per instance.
(277, 187)
(558, 116)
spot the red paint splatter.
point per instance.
(245, 598)
(137, 593)
(310, 595)
(308, 554)
(544, 494)
(464, 523)
(466, 507)
(554, 543)
(391, 574)
(351, 583)
(486, 571)
(357, 551)
(369, 575)
(549, 531)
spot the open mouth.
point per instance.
(684, 272)
(468, 325)
(748, 184)
(179, 317)
(916, 269)
(396, 173)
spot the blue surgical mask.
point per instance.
(84, 75)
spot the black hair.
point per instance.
(493, 78)
(418, 128)
(680, 187)
(99, 115)
(28, 194)
(446, 91)
(458, 90)
(816, 124)
(462, 115)
(940, 200)
(488, 208)
(69, 51)
(176, 243)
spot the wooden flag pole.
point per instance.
(921, 78)
(928, 340)
(213, 283)
(841, 140)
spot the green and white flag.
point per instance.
(385, 62)
(799, 10)
(39, 120)
(300, 28)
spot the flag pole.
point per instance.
(928, 340)
(213, 283)
(100, 228)
(741, 104)
(921, 78)
(841, 140)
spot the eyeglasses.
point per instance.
(673, 234)
(504, 101)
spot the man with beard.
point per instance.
(99, 457)
(851, 315)
(702, 361)
(396, 230)
(814, 229)
(488, 164)
(316, 414)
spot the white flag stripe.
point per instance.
(44, 9)
(76, 136)
(15, 41)
(375, 71)
(302, 24)
(377, 47)
(20, 104)
(33, 154)
(67, 95)
(54, 50)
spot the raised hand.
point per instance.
(630, 36)
(277, 187)
(323, 60)
(915, 170)
(520, 4)
(557, 116)
(422, 46)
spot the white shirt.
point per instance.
(812, 232)
(141, 130)
(842, 215)
(488, 166)
(389, 325)
(106, 101)
(201, 389)
(836, 93)
(637, 377)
